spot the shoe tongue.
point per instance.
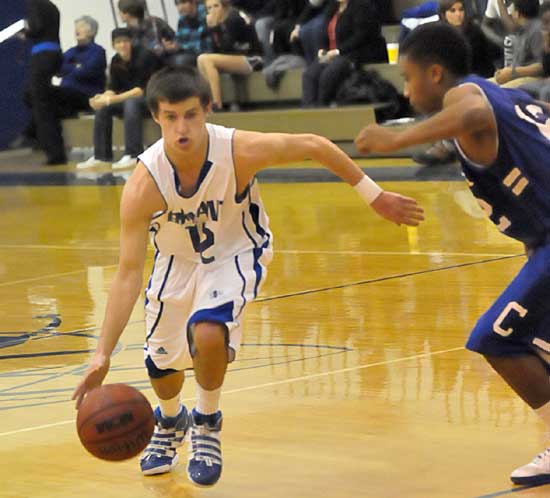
(211, 419)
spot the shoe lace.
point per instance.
(205, 445)
(542, 456)
(164, 442)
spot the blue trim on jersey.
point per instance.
(155, 372)
(239, 198)
(157, 252)
(244, 285)
(205, 169)
(153, 328)
(220, 314)
(247, 231)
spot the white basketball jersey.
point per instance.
(214, 224)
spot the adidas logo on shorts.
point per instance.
(161, 350)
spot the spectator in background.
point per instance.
(353, 36)
(192, 37)
(526, 57)
(46, 58)
(285, 19)
(130, 70)
(83, 69)
(309, 29)
(235, 45)
(147, 32)
(83, 72)
(453, 12)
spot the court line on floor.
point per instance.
(51, 275)
(279, 251)
(518, 489)
(272, 384)
(388, 277)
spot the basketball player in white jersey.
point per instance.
(194, 192)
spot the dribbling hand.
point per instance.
(93, 377)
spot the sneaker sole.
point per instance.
(162, 470)
(200, 485)
(534, 480)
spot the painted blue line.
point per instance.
(517, 489)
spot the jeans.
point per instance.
(311, 37)
(132, 112)
(320, 81)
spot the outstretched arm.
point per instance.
(256, 151)
(465, 111)
(138, 201)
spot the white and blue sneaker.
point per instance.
(205, 453)
(161, 456)
(535, 472)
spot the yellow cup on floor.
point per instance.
(393, 52)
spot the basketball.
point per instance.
(115, 422)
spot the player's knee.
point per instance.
(209, 337)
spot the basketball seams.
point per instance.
(140, 401)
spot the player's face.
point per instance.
(183, 124)
(422, 85)
(455, 15)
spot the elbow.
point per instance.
(316, 146)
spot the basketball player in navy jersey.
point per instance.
(502, 137)
(194, 192)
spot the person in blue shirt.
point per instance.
(192, 37)
(83, 68)
(502, 137)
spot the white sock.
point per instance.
(170, 407)
(544, 413)
(208, 402)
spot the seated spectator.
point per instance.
(130, 70)
(235, 46)
(147, 32)
(285, 19)
(83, 72)
(453, 12)
(528, 46)
(83, 69)
(353, 37)
(192, 37)
(540, 88)
(309, 29)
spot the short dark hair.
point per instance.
(136, 8)
(176, 84)
(120, 33)
(438, 43)
(527, 8)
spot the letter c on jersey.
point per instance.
(512, 305)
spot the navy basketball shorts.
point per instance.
(519, 321)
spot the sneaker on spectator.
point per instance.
(126, 161)
(92, 162)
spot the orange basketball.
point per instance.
(115, 422)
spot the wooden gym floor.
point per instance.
(352, 382)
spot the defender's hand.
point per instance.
(93, 377)
(399, 209)
(375, 138)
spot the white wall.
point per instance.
(101, 11)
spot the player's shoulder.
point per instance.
(141, 193)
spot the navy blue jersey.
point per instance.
(515, 190)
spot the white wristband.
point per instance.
(368, 189)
